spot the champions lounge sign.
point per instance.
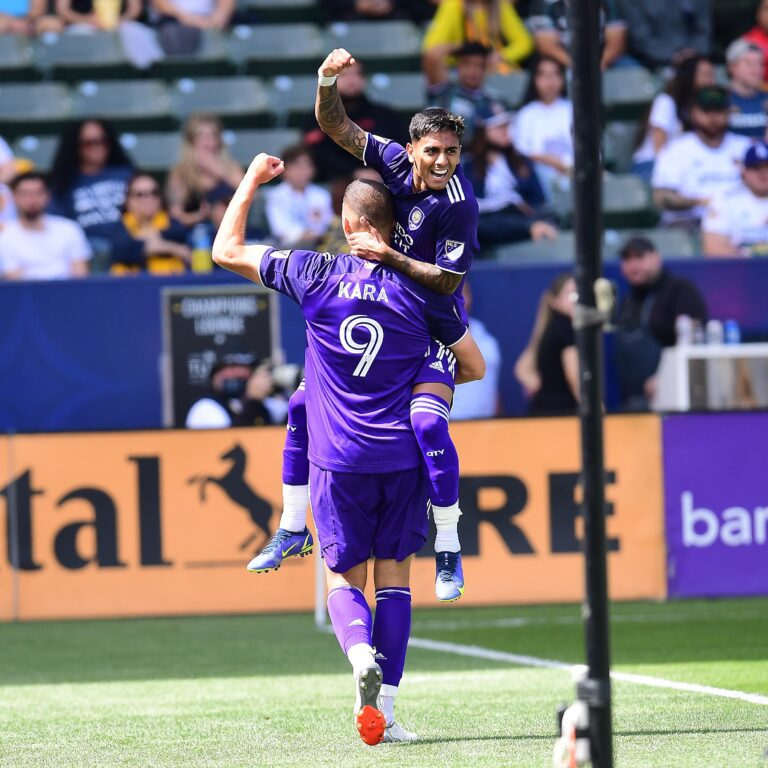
(154, 523)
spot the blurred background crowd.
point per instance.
(125, 126)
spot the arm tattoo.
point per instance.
(334, 121)
(428, 275)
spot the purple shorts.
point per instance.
(439, 366)
(359, 515)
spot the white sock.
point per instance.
(447, 522)
(360, 656)
(387, 697)
(295, 503)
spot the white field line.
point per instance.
(616, 618)
(477, 652)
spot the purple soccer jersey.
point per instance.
(368, 330)
(439, 227)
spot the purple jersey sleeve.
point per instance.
(456, 234)
(289, 272)
(385, 156)
(443, 320)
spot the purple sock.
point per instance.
(391, 630)
(429, 419)
(295, 461)
(350, 616)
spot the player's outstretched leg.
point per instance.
(429, 419)
(351, 620)
(391, 630)
(292, 537)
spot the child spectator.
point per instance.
(670, 113)
(299, 212)
(543, 129)
(89, 175)
(38, 246)
(492, 23)
(759, 34)
(146, 237)
(509, 194)
(204, 164)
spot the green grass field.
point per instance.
(271, 691)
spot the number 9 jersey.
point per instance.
(368, 331)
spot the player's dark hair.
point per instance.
(372, 200)
(435, 120)
(28, 176)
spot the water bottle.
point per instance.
(201, 249)
(732, 332)
(684, 330)
(715, 332)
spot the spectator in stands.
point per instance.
(700, 163)
(492, 23)
(7, 172)
(548, 368)
(662, 30)
(89, 175)
(670, 113)
(331, 161)
(548, 22)
(138, 41)
(241, 386)
(509, 194)
(736, 222)
(646, 319)
(746, 63)
(544, 127)
(466, 96)
(180, 23)
(39, 246)
(146, 238)
(731, 19)
(479, 399)
(759, 34)
(298, 211)
(204, 164)
(374, 10)
(28, 17)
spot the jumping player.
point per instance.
(434, 240)
(367, 329)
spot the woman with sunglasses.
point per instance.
(89, 176)
(146, 238)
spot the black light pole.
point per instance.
(586, 47)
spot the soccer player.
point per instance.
(434, 239)
(367, 329)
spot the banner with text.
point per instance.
(150, 523)
(716, 504)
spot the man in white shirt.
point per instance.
(700, 163)
(299, 212)
(38, 246)
(736, 223)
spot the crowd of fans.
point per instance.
(699, 141)
(701, 146)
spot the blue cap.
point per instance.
(756, 155)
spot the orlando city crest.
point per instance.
(415, 218)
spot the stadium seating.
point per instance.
(282, 11)
(277, 48)
(394, 45)
(39, 150)
(144, 103)
(619, 141)
(17, 61)
(211, 60)
(72, 56)
(627, 202)
(405, 91)
(292, 98)
(23, 105)
(509, 88)
(245, 145)
(237, 100)
(537, 252)
(155, 152)
(628, 91)
(672, 242)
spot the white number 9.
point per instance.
(368, 350)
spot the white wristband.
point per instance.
(323, 80)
